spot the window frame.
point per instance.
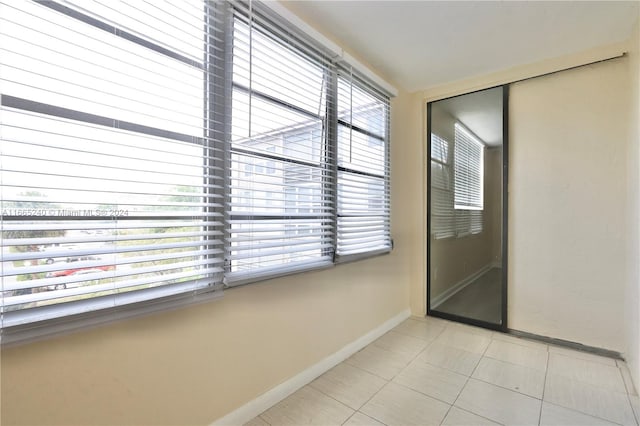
(217, 85)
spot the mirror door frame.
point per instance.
(503, 326)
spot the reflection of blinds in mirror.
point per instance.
(468, 170)
(442, 213)
(447, 221)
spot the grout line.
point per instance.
(573, 410)
(466, 383)
(516, 365)
(349, 418)
(635, 415)
(366, 371)
(544, 387)
(478, 415)
(383, 378)
(620, 367)
(373, 396)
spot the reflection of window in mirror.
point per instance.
(458, 196)
(468, 181)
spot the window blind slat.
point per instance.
(111, 185)
(278, 159)
(363, 164)
(156, 150)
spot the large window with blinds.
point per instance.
(108, 197)
(153, 152)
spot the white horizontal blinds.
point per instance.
(476, 221)
(111, 185)
(363, 168)
(443, 223)
(279, 220)
(468, 182)
(468, 169)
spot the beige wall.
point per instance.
(196, 364)
(193, 365)
(568, 144)
(418, 304)
(596, 310)
(409, 180)
(632, 293)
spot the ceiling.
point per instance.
(423, 44)
(480, 112)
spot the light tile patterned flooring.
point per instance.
(428, 371)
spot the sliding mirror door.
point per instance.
(467, 199)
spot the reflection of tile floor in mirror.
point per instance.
(481, 300)
(436, 372)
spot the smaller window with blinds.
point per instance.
(278, 219)
(363, 169)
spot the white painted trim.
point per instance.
(295, 20)
(451, 291)
(369, 74)
(268, 399)
(525, 71)
(316, 35)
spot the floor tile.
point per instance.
(380, 362)
(460, 417)
(589, 399)
(433, 381)
(470, 329)
(626, 378)
(454, 359)
(635, 405)
(524, 356)
(461, 339)
(554, 415)
(350, 385)
(432, 320)
(515, 377)
(256, 421)
(582, 355)
(594, 373)
(499, 404)
(397, 405)
(401, 343)
(359, 419)
(307, 406)
(424, 330)
(504, 337)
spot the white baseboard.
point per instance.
(253, 408)
(443, 297)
